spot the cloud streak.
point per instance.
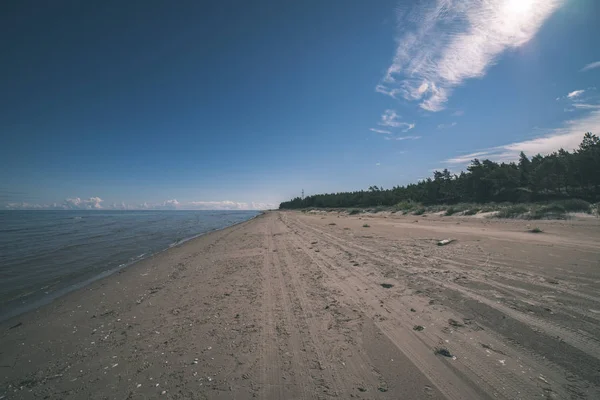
(591, 66)
(403, 138)
(391, 119)
(444, 126)
(446, 42)
(575, 93)
(567, 137)
(380, 131)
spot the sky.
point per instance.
(242, 105)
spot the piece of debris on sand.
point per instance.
(418, 328)
(442, 351)
(387, 285)
(454, 323)
(445, 242)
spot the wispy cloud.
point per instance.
(466, 158)
(390, 119)
(584, 106)
(445, 42)
(567, 137)
(403, 138)
(575, 93)
(380, 131)
(458, 113)
(591, 66)
(444, 126)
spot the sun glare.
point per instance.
(518, 7)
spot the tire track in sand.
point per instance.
(578, 340)
(547, 367)
(271, 379)
(451, 385)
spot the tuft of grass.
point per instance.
(465, 208)
(536, 230)
(332, 223)
(419, 211)
(574, 205)
(549, 211)
(354, 212)
(513, 211)
(407, 205)
(450, 211)
(472, 211)
(366, 226)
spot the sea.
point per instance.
(46, 254)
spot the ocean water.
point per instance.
(45, 254)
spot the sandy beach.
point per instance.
(295, 305)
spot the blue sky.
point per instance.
(244, 104)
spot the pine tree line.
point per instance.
(560, 175)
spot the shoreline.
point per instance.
(289, 305)
(44, 301)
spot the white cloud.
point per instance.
(379, 131)
(568, 137)
(446, 42)
(444, 126)
(119, 206)
(591, 66)
(25, 206)
(389, 92)
(173, 204)
(409, 127)
(93, 203)
(390, 119)
(575, 93)
(76, 203)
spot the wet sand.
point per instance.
(291, 306)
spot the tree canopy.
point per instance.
(560, 175)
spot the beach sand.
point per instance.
(291, 306)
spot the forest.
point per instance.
(557, 176)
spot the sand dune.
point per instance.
(295, 306)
